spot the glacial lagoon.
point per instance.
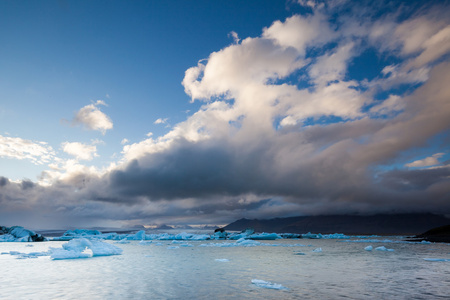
(190, 268)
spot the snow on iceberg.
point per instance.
(268, 284)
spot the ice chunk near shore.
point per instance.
(268, 284)
(19, 234)
(368, 248)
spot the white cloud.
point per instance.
(80, 151)
(333, 65)
(161, 121)
(300, 32)
(124, 141)
(426, 162)
(235, 37)
(92, 118)
(37, 152)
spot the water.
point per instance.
(341, 270)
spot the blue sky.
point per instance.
(146, 112)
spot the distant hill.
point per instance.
(440, 235)
(383, 224)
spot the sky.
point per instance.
(119, 113)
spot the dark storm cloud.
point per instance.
(338, 168)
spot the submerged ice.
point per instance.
(268, 284)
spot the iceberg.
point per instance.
(222, 260)
(317, 250)
(383, 248)
(58, 254)
(268, 284)
(436, 259)
(368, 248)
(76, 248)
(310, 235)
(264, 236)
(19, 234)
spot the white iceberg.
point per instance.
(222, 260)
(368, 248)
(268, 284)
(383, 248)
(58, 254)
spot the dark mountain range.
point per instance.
(385, 224)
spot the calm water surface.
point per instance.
(341, 270)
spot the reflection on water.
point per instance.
(341, 270)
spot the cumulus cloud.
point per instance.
(79, 150)
(17, 148)
(92, 118)
(284, 129)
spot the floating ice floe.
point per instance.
(368, 248)
(385, 241)
(436, 259)
(383, 248)
(172, 247)
(77, 248)
(122, 241)
(317, 250)
(145, 242)
(268, 284)
(222, 260)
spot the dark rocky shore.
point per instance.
(436, 235)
